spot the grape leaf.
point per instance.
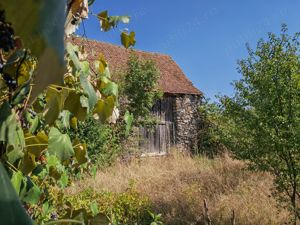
(11, 209)
(36, 144)
(28, 163)
(108, 22)
(109, 88)
(64, 179)
(89, 90)
(16, 180)
(55, 103)
(128, 39)
(11, 133)
(104, 108)
(60, 145)
(43, 36)
(33, 195)
(77, 104)
(80, 150)
(101, 65)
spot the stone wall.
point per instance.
(186, 120)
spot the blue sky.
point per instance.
(205, 37)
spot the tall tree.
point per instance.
(266, 113)
(141, 89)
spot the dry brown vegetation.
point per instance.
(178, 184)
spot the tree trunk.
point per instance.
(294, 205)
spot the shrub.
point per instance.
(125, 208)
(102, 143)
(209, 141)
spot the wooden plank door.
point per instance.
(159, 140)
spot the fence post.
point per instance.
(207, 219)
(233, 217)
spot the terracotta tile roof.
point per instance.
(172, 78)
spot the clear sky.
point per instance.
(205, 37)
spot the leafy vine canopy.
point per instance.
(46, 87)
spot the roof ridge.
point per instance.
(119, 46)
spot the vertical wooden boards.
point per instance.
(161, 138)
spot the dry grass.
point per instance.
(177, 186)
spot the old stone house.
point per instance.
(176, 111)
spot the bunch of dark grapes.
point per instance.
(7, 41)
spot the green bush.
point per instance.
(210, 133)
(103, 143)
(125, 208)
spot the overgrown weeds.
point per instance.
(177, 185)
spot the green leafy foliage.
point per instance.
(128, 39)
(55, 100)
(60, 145)
(80, 150)
(45, 41)
(264, 114)
(83, 73)
(77, 105)
(35, 146)
(89, 90)
(16, 180)
(41, 102)
(140, 88)
(157, 219)
(11, 210)
(104, 108)
(33, 195)
(11, 133)
(119, 208)
(128, 118)
(210, 134)
(94, 209)
(102, 142)
(108, 22)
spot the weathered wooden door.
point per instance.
(162, 137)
(158, 140)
